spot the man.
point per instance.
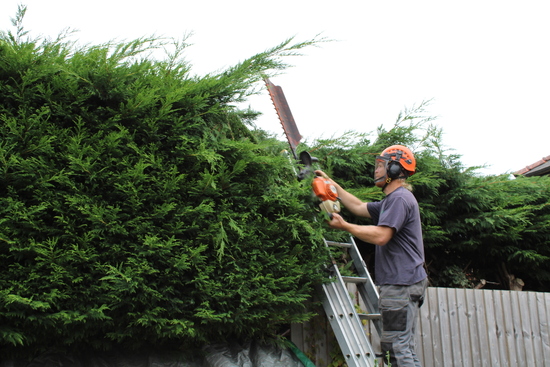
(399, 254)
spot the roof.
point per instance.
(538, 168)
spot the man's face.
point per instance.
(380, 173)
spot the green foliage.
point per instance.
(496, 221)
(137, 208)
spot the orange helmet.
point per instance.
(399, 154)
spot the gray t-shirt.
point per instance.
(401, 260)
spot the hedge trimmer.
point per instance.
(349, 330)
(323, 188)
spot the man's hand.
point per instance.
(337, 222)
(322, 174)
(377, 235)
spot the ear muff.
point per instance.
(394, 170)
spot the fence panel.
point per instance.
(461, 327)
(484, 328)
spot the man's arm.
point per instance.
(351, 202)
(377, 235)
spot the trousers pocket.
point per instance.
(394, 314)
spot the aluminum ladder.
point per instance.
(341, 312)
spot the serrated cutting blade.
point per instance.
(285, 115)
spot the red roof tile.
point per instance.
(531, 167)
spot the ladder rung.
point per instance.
(369, 316)
(339, 244)
(354, 279)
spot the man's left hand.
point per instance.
(337, 222)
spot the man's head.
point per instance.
(395, 162)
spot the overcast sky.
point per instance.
(485, 64)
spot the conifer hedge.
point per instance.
(138, 206)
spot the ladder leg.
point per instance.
(340, 309)
(346, 324)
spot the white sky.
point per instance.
(485, 63)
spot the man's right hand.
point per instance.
(318, 172)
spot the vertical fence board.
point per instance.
(511, 331)
(315, 337)
(543, 306)
(445, 325)
(454, 329)
(477, 309)
(510, 327)
(433, 348)
(490, 327)
(526, 345)
(519, 328)
(534, 319)
(472, 320)
(297, 335)
(502, 334)
(467, 326)
(424, 334)
(463, 317)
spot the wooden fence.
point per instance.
(460, 328)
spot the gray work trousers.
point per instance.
(399, 306)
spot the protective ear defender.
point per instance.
(393, 170)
